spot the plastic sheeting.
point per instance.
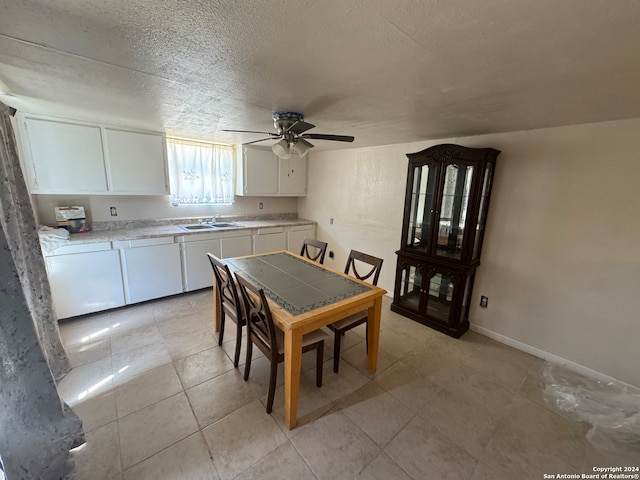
(611, 408)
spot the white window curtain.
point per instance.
(200, 173)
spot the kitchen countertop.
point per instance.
(134, 233)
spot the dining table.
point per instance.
(305, 296)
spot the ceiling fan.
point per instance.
(291, 129)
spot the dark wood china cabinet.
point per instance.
(447, 197)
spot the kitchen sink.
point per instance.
(197, 226)
(222, 225)
(208, 226)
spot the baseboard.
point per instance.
(544, 355)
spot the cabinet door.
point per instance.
(269, 240)
(152, 271)
(296, 235)
(453, 209)
(235, 246)
(85, 282)
(293, 176)
(197, 269)
(64, 157)
(137, 162)
(260, 171)
(420, 213)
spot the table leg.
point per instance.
(216, 308)
(292, 361)
(373, 332)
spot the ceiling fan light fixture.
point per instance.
(281, 149)
(301, 149)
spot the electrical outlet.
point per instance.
(330, 253)
(484, 301)
(331, 221)
(260, 206)
(114, 211)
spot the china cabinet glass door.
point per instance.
(456, 191)
(422, 207)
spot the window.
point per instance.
(200, 173)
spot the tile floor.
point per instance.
(160, 400)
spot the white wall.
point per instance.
(561, 259)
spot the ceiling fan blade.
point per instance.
(300, 127)
(261, 140)
(252, 131)
(304, 142)
(324, 136)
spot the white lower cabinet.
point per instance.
(84, 279)
(196, 267)
(269, 239)
(151, 268)
(296, 235)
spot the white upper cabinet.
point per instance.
(69, 157)
(136, 162)
(293, 176)
(64, 157)
(262, 173)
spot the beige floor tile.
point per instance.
(129, 318)
(97, 411)
(357, 357)
(220, 396)
(99, 457)
(203, 366)
(383, 468)
(88, 352)
(85, 329)
(171, 308)
(400, 343)
(86, 381)
(282, 463)
(507, 366)
(407, 385)
(184, 344)
(425, 453)
(130, 364)
(535, 440)
(375, 412)
(154, 428)
(334, 447)
(146, 389)
(241, 439)
(186, 322)
(624, 456)
(135, 338)
(341, 384)
(436, 360)
(188, 459)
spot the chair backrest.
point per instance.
(363, 266)
(259, 320)
(228, 294)
(317, 251)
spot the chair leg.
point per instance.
(336, 351)
(366, 345)
(247, 365)
(236, 358)
(319, 363)
(221, 333)
(272, 385)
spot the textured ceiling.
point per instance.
(383, 71)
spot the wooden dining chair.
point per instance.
(262, 332)
(228, 301)
(363, 267)
(314, 250)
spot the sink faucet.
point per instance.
(215, 218)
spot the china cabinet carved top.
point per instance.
(447, 197)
